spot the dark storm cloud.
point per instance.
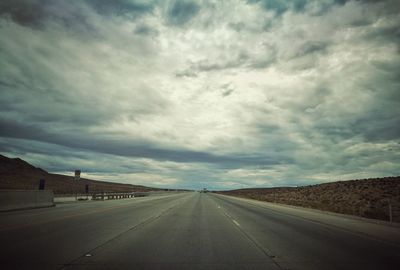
(65, 159)
(379, 126)
(16, 98)
(182, 11)
(44, 77)
(391, 7)
(312, 47)
(377, 122)
(236, 60)
(125, 147)
(37, 13)
(131, 8)
(227, 92)
(280, 6)
(145, 30)
(392, 70)
(209, 65)
(26, 12)
(384, 34)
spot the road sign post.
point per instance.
(77, 177)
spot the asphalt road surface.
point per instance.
(191, 231)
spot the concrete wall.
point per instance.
(24, 199)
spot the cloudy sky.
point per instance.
(219, 94)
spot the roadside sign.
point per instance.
(77, 174)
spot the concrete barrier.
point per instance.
(25, 199)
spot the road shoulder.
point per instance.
(378, 230)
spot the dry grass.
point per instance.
(368, 198)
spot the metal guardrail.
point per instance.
(115, 196)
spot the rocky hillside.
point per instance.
(371, 198)
(16, 173)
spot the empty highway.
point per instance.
(192, 231)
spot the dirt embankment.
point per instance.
(370, 198)
(16, 173)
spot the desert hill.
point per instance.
(16, 173)
(371, 198)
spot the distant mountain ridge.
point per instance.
(16, 173)
(7, 164)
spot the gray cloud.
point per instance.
(145, 30)
(312, 47)
(194, 93)
(37, 14)
(130, 8)
(281, 6)
(228, 92)
(235, 60)
(28, 13)
(181, 11)
(126, 147)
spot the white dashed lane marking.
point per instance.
(237, 223)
